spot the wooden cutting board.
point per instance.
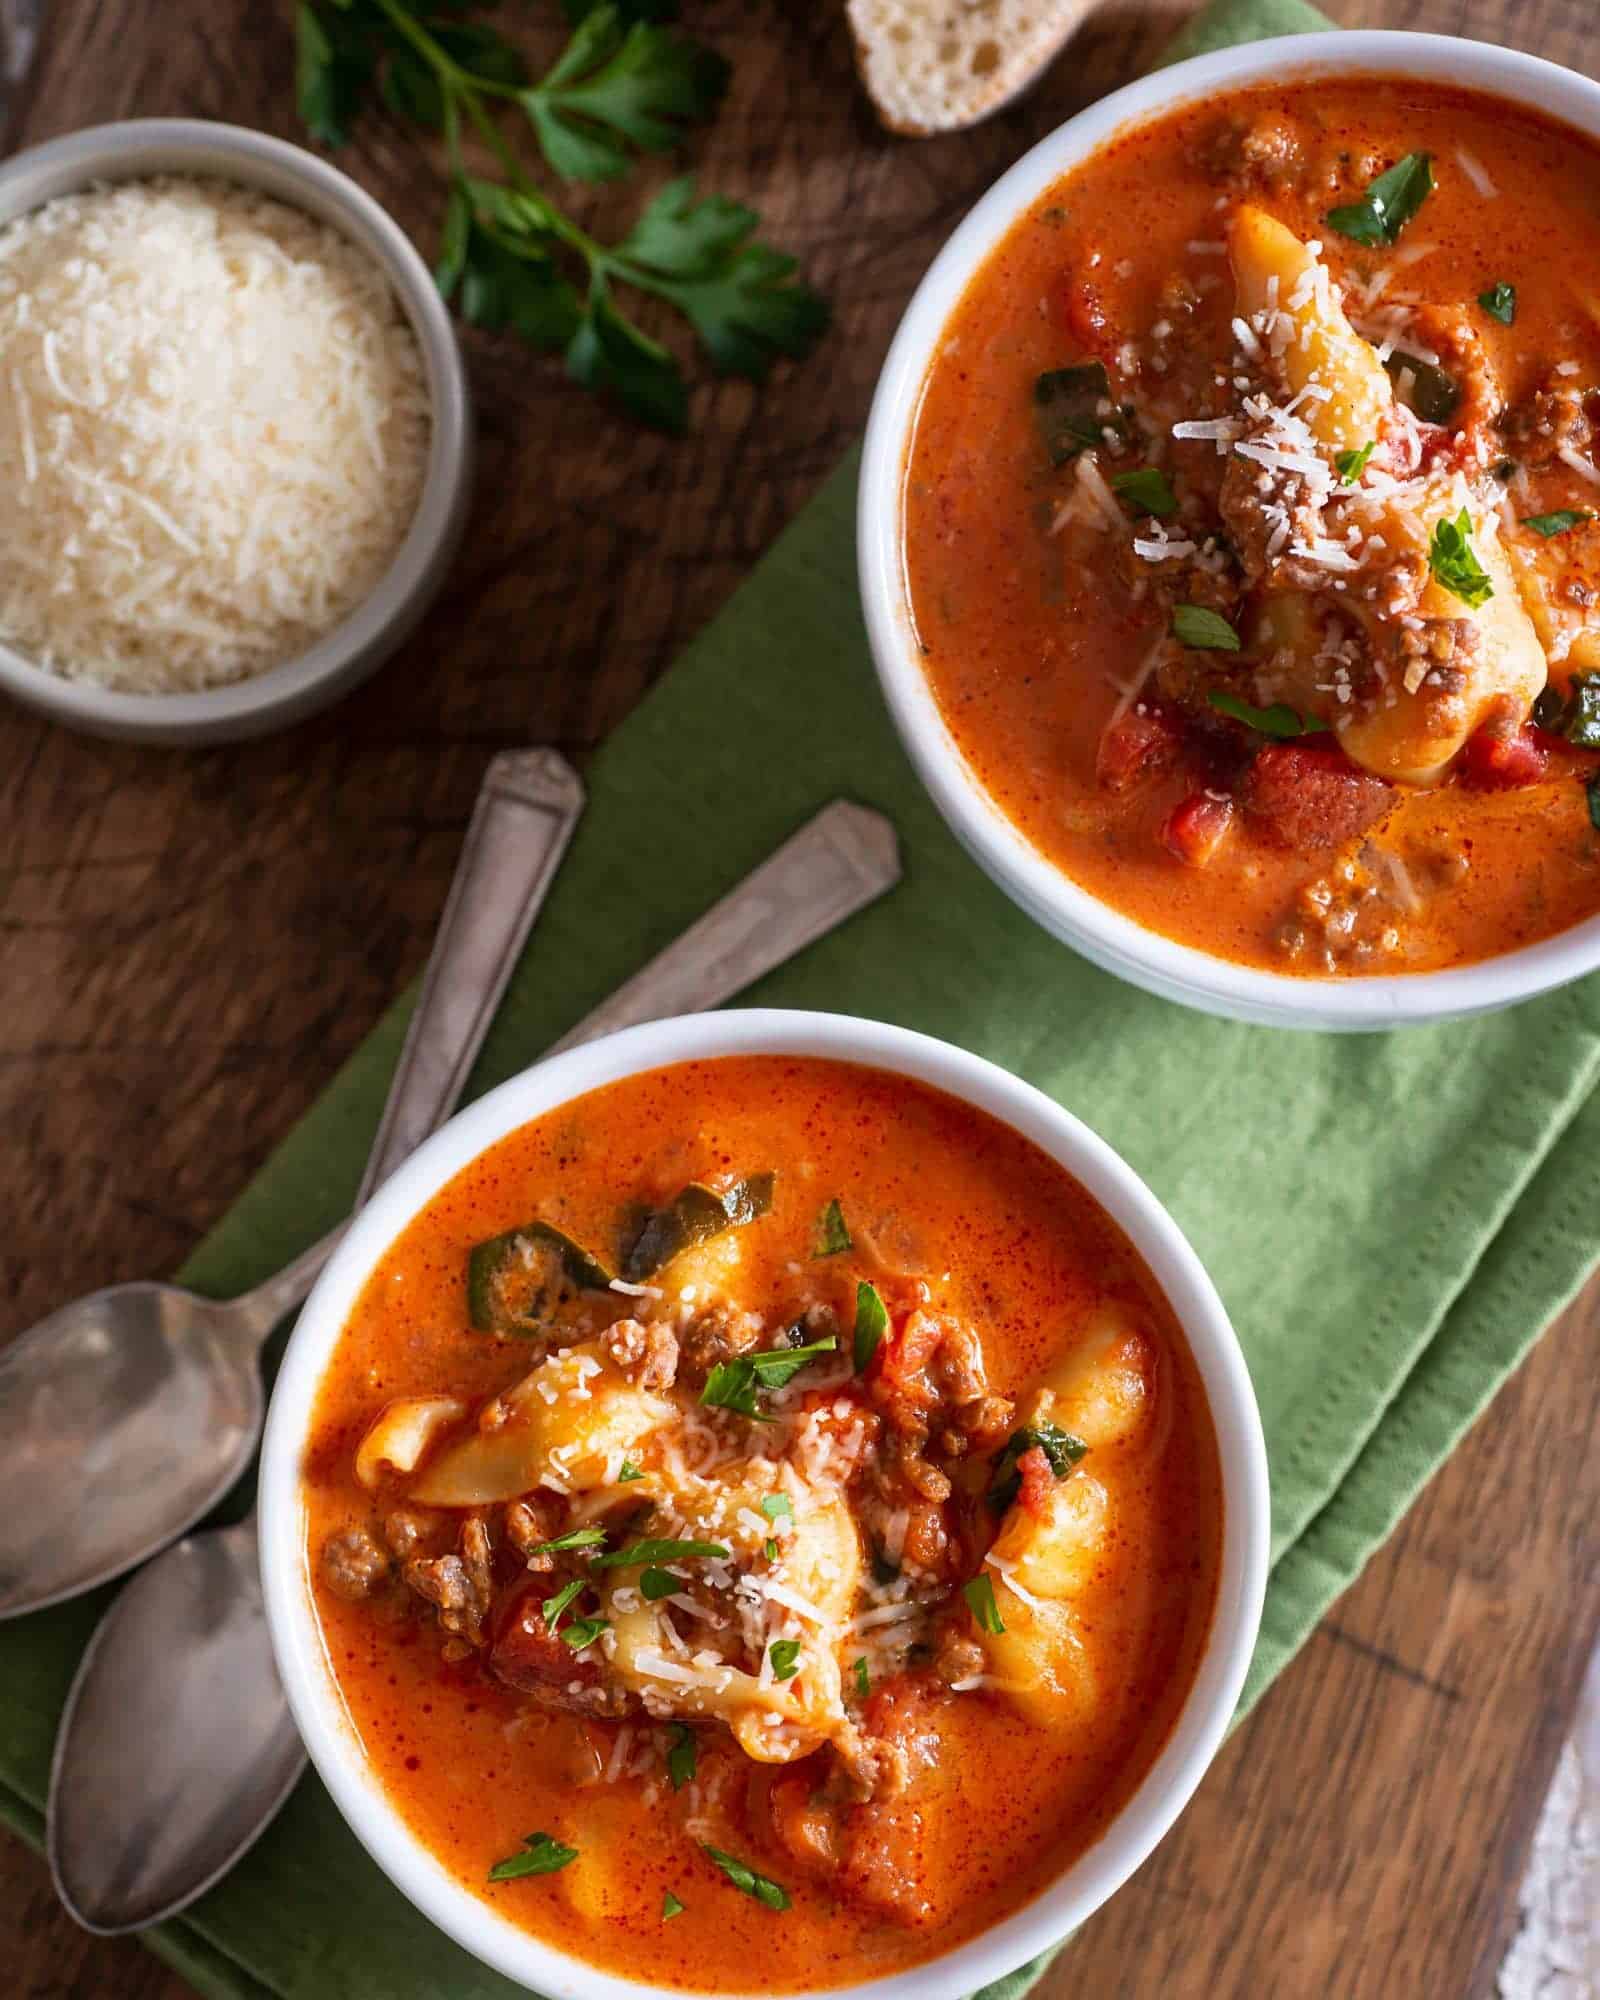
(190, 944)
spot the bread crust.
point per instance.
(1018, 69)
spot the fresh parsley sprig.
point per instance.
(512, 258)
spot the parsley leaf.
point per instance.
(1194, 625)
(1147, 490)
(785, 1656)
(1575, 715)
(577, 1538)
(333, 65)
(670, 1907)
(833, 1234)
(1389, 203)
(583, 1632)
(769, 1549)
(773, 1894)
(542, 1854)
(637, 1553)
(658, 1583)
(1351, 464)
(735, 1385)
(979, 1594)
(777, 1506)
(682, 1756)
(1454, 562)
(629, 1471)
(1500, 302)
(1278, 720)
(554, 1606)
(616, 88)
(1559, 523)
(872, 1321)
(863, 1678)
(1061, 1448)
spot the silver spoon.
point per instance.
(176, 1747)
(144, 1401)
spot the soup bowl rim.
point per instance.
(325, 1723)
(1094, 928)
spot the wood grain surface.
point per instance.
(191, 942)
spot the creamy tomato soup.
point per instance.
(1250, 526)
(764, 1521)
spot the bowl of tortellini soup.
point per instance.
(766, 1503)
(1230, 530)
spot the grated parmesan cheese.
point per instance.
(213, 438)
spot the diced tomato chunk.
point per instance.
(1138, 744)
(1196, 827)
(1307, 796)
(1082, 311)
(1033, 1469)
(1502, 760)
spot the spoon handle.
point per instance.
(527, 807)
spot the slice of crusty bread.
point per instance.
(936, 65)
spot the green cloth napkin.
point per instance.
(1391, 1219)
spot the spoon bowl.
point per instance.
(143, 1399)
(205, 1750)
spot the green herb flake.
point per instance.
(542, 1854)
(583, 1632)
(670, 1907)
(1147, 491)
(1562, 522)
(785, 1656)
(777, 1506)
(872, 1322)
(863, 1678)
(579, 1538)
(1278, 720)
(629, 1471)
(659, 1583)
(1061, 1448)
(1351, 464)
(1575, 714)
(979, 1594)
(1428, 390)
(1454, 562)
(1073, 410)
(745, 1878)
(1500, 302)
(833, 1234)
(1195, 625)
(637, 1554)
(1592, 793)
(1389, 203)
(554, 1606)
(736, 1385)
(769, 1549)
(682, 1756)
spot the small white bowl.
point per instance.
(143, 147)
(1101, 933)
(296, 1634)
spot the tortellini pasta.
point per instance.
(402, 1432)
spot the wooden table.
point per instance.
(190, 943)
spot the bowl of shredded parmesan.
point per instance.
(235, 435)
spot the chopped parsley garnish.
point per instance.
(773, 1894)
(1575, 714)
(863, 1678)
(578, 1538)
(629, 1471)
(554, 1606)
(833, 1234)
(1351, 464)
(785, 1656)
(769, 1549)
(1147, 490)
(872, 1322)
(1562, 522)
(1389, 203)
(1073, 409)
(735, 1385)
(979, 1594)
(1061, 1448)
(1195, 625)
(583, 1632)
(777, 1506)
(670, 1907)
(682, 1756)
(1454, 562)
(1500, 302)
(542, 1854)
(1278, 720)
(657, 1583)
(1426, 389)
(637, 1553)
